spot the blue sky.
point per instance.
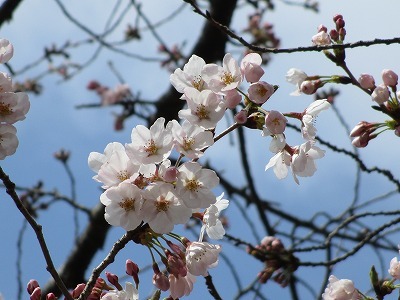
(54, 123)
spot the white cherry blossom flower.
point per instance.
(200, 256)
(380, 94)
(181, 286)
(119, 168)
(303, 164)
(275, 122)
(321, 38)
(8, 140)
(190, 139)
(129, 293)
(342, 289)
(123, 204)
(205, 108)
(251, 67)
(280, 163)
(162, 209)
(211, 224)
(150, 145)
(260, 91)
(308, 129)
(13, 107)
(6, 51)
(296, 77)
(96, 159)
(191, 76)
(5, 83)
(225, 78)
(194, 185)
(394, 269)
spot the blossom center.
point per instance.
(193, 185)
(5, 109)
(162, 204)
(188, 143)
(151, 148)
(198, 83)
(227, 78)
(202, 112)
(262, 91)
(123, 175)
(127, 204)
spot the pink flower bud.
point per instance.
(336, 17)
(380, 94)
(36, 294)
(342, 33)
(160, 280)
(51, 296)
(170, 174)
(334, 35)
(309, 87)
(361, 128)
(93, 85)
(322, 28)
(232, 98)
(397, 131)
(389, 78)
(260, 92)
(241, 117)
(361, 141)
(339, 23)
(113, 279)
(31, 286)
(132, 269)
(78, 290)
(366, 81)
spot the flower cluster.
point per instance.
(279, 264)
(387, 97)
(13, 106)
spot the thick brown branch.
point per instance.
(7, 9)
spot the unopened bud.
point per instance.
(389, 78)
(366, 81)
(132, 269)
(113, 279)
(78, 290)
(241, 117)
(334, 35)
(51, 296)
(36, 294)
(336, 17)
(31, 286)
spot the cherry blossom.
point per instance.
(129, 293)
(162, 209)
(8, 140)
(308, 129)
(6, 51)
(250, 67)
(150, 145)
(225, 78)
(205, 108)
(342, 289)
(190, 139)
(275, 122)
(380, 94)
(194, 185)
(13, 107)
(303, 164)
(5, 83)
(119, 168)
(96, 159)
(296, 77)
(389, 78)
(321, 38)
(260, 92)
(211, 224)
(200, 256)
(280, 163)
(191, 76)
(394, 269)
(181, 285)
(123, 204)
(111, 96)
(366, 81)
